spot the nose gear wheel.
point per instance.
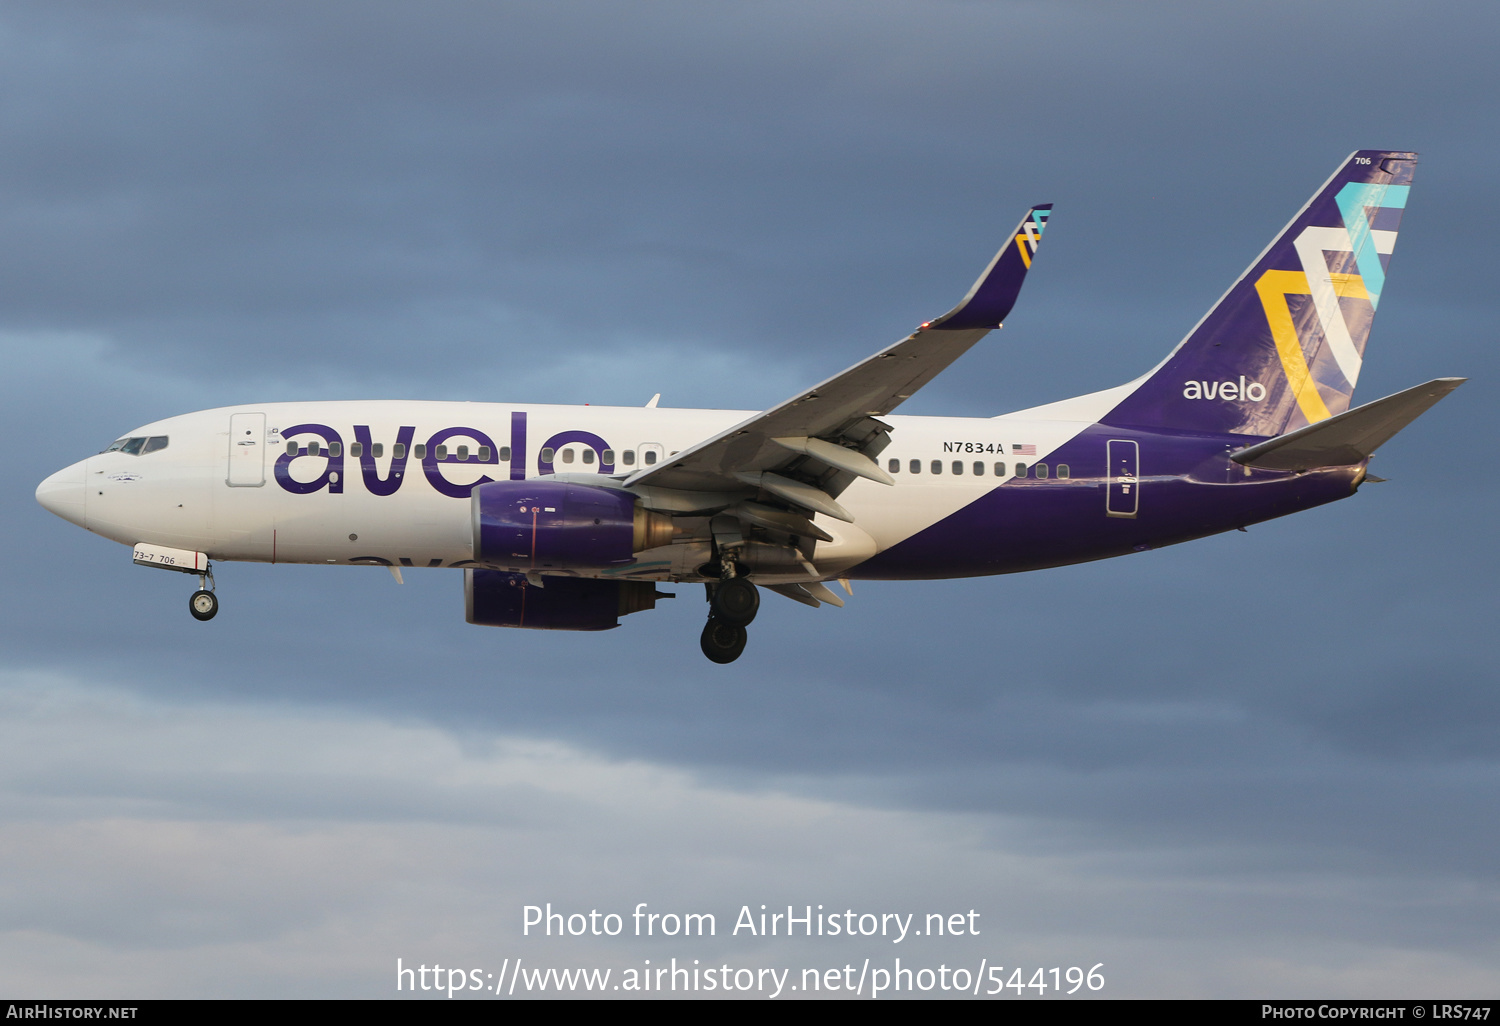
(203, 605)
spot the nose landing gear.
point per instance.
(203, 603)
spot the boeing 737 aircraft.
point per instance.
(569, 517)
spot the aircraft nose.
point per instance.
(62, 493)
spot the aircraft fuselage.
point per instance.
(969, 497)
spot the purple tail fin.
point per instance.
(1283, 347)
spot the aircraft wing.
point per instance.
(808, 449)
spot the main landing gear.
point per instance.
(203, 603)
(723, 642)
(732, 604)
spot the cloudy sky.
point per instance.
(1260, 764)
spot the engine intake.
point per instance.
(494, 598)
(555, 525)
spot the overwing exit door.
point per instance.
(1122, 469)
(247, 450)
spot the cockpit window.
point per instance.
(138, 445)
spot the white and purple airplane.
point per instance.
(569, 517)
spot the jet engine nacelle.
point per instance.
(556, 525)
(494, 598)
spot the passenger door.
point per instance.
(247, 450)
(1122, 469)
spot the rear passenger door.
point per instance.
(1122, 467)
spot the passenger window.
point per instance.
(335, 448)
(937, 466)
(958, 467)
(893, 466)
(463, 454)
(547, 455)
(999, 469)
(607, 456)
(915, 466)
(588, 456)
(356, 449)
(418, 451)
(378, 450)
(484, 454)
(1020, 470)
(1063, 471)
(628, 456)
(315, 448)
(978, 469)
(1041, 471)
(132, 446)
(568, 455)
(650, 457)
(155, 443)
(440, 452)
(505, 454)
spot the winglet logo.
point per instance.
(1030, 235)
(1344, 291)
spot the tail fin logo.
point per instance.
(1342, 276)
(1029, 236)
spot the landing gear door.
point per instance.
(247, 450)
(1123, 494)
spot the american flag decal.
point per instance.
(1023, 450)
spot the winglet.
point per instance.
(994, 294)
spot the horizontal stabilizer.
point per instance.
(1350, 437)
